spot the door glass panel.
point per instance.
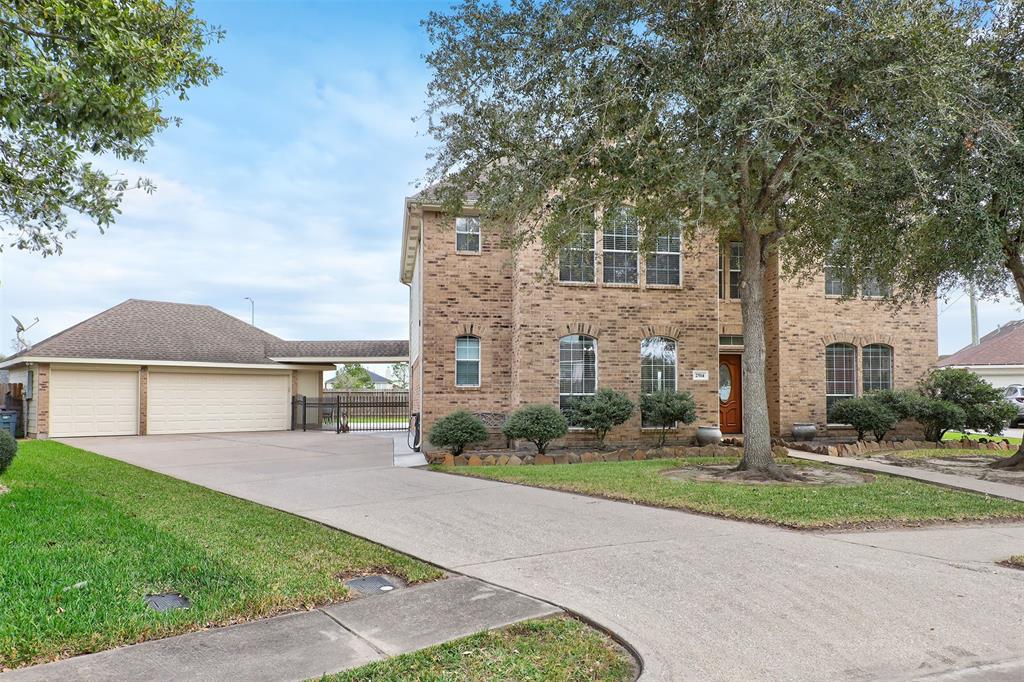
(724, 382)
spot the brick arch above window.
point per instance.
(663, 330)
(578, 328)
(859, 340)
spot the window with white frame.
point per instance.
(735, 268)
(577, 368)
(876, 359)
(835, 283)
(840, 374)
(576, 260)
(664, 266)
(657, 366)
(721, 273)
(467, 361)
(467, 234)
(875, 289)
(621, 242)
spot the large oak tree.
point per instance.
(754, 119)
(82, 83)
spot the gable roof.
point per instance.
(181, 332)
(377, 378)
(1003, 346)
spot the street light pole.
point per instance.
(252, 311)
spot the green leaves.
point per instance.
(84, 79)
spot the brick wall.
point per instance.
(515, 305)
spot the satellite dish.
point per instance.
(18, 324)
(19, 332)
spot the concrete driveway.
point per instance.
(699, 598)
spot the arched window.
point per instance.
(840, 374)
(467, 361)
(877, 367)
(577, 368)
(657, 366)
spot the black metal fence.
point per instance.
(343, 411)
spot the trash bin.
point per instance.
(9, 422)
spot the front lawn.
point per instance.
(84, 538)
(884, 501)
(557, 650)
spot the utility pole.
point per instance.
(974, 314)
(252, 310)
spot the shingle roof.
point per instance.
(180, 332)
(1004, 346)
(338, 349)
(377, 378)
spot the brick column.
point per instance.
(143, 400)
(43, 401)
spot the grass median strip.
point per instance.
(886, 500)
(556, 650)
(84, 538)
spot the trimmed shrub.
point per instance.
(8, 449)
(903, 404)
(864, 415)
(601, 412)
(456, 431)
(938, 416)
(983, 405)
(664, 409)
(538, 424)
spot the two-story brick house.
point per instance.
(492, 329)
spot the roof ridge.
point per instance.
(57, 335)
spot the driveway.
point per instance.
(699, 598)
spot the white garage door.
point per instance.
(97, 403)
(181, 402)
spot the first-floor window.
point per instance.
(840, 374)
(877, 367)
(577, 368)
(467, 361)
(657, 366)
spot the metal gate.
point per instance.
(344, 411)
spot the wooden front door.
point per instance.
(730, 394)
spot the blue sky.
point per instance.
(284, 183)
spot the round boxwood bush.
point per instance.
(665, 409)
(539, 424)
(8, 448)
(864, 415)
(456, 431)
(601, 412)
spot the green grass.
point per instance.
(938, 453)
(555, 650)
(885, 501)
(956, 435)
(83, 538)
(1017, 561)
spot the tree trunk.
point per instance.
(757, 438)
(1014, 461)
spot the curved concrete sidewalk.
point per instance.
(699, 598)
(301, 646)
(974, 485)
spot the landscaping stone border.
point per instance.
(870, 447)
(517, 458)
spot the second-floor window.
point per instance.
(735, 268)
(467, 234)
(664, 266)
(835, 284)
(576, 260)
(874, 289)
(621, 242)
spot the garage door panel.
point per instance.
(182, 402)
(93, 403)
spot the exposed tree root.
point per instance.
(1014, 462)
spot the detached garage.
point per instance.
(150, 367)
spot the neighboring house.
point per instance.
(153, 367)
(380, 383)
(492, 329)
(998, 358)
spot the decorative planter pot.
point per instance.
(804, 431)
(709, 435)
